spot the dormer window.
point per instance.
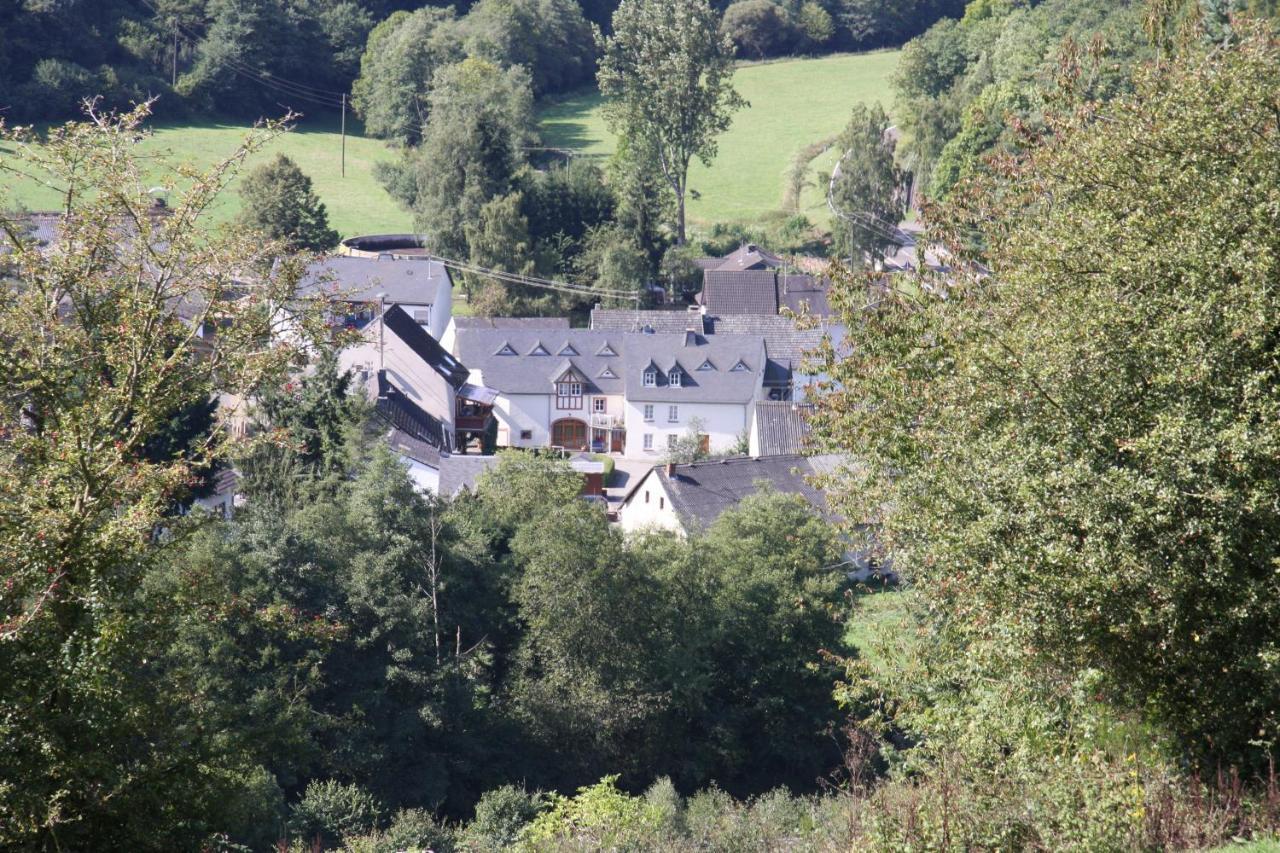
(707, 365)
(539, 349)
(606, 350)
(568, 349)
(506, 349)
(739, 367)
(608, 373)
(650, 377)
(568, 393)
(673, 378)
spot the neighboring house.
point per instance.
(618, 392)
(420, 286)
(461, 472)
(779, 428)
(685, 498)
(421, 390)
(754, 281)
(787, 344)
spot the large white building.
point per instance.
(630, 393)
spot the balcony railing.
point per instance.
(603, 420)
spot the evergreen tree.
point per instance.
(278, 201)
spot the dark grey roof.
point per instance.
(749, 256)
(523, 373)
(426, 347)
(700, 492)
(785, 342)
(782, 428)
(622, 320)
(804, 294)
(403, 280)
(511, 322)
(745, 292)
(403, 415)
(707, 367)
(707, 263)
(414, 448)
(461, 471)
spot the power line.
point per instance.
(532, 281)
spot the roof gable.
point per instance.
(400, 324)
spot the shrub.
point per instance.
(501, 814)
(330, 810)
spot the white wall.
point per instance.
(406, 370)
(516, 412)
(425, 478)
(723, 422)
(655, 512)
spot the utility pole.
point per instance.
(175, 52)
(344, 134)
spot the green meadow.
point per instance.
(794, 103)
(357, 203)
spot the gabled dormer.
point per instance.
(739, 367)
(706, 365)
(569, 386)
(608, 373)
(506, 349)
(567, 350)
(539, 349)
(675, 376)
(606, 351)
(649, 376)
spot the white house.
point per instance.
(620, 392)
(421, 286)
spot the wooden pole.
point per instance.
(175, 53)
(344, 135)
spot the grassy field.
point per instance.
(878, 628)
(357, 204)
(793, 104)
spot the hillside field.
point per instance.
(357, 204)
(794, 103)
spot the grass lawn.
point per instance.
(357, 204)
(878, 629)
(793, 103)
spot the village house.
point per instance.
(631, 393)
(358, 285)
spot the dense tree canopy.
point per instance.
(278, 202)
(1074, 450)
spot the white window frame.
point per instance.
(648, 412)
(673, 378)
(673, 414)
(648, 445)
(650, 378)
(599, 405)
(672, 438)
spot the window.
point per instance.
(608, 373)
(539, 349)
(739, 367)
(606, 350)
(567, 349)
(526, 435)
(422, 318)
(648, 445)
(673, 414)
(506, 349)
(662, 503)
(568, 395)
(673, 378)
(650, 378)
(646, 491)
(706, 365)
(671, 441)
(599, 404)
(648, 412)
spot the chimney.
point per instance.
(671, 469)
(691, 337)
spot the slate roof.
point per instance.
(707, 374)
(523, 373)
(740, 292)
(782, 427)
(405, 416)
(411, 281)
(749, 256)
(398, 322)
(460, 472)
(804, 293)
(414, 448)
(784, 341)
(700, 492)
(511, 322)
(622, 320)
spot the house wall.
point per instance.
(425, 478)
(637, 513)
(516, 412)
(722, 422)
(417, 379)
